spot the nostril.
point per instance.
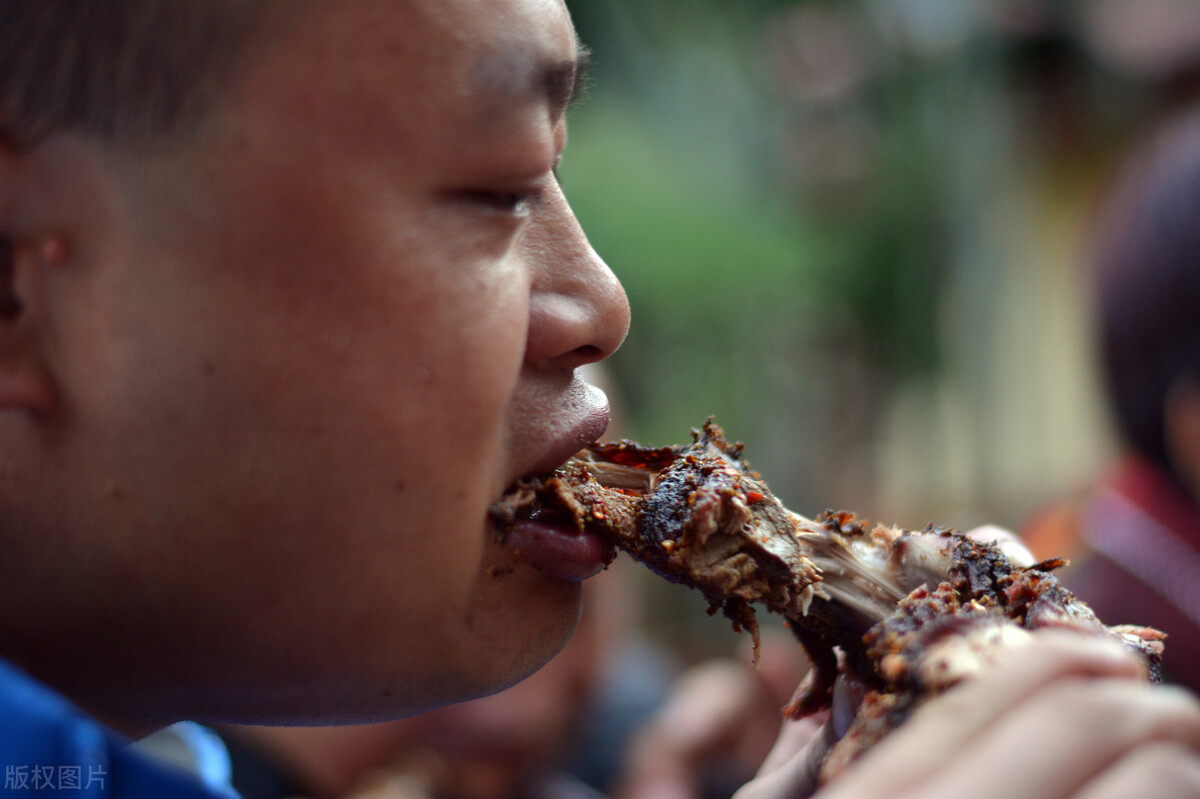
(581, 356)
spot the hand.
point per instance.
(1066, 716)
(712, 713)
(719, 722)
(794, 764)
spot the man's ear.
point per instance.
(25, 378)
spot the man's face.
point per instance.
(317, 342)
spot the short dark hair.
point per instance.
(1147, 261)
(117, 69)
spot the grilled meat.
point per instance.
(909, 614)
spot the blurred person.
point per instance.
(289, 296)
(1134, 541)
(716, 726)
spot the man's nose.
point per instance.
(578, 312)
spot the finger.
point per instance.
(1070, 732)
(1013, 548)
(707, 706)
(1163, 770)
(795, 777)
(942, 729)
(794, 736)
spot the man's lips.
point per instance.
(558, 551)
(587, 416)
(543, 539)
(552, 542)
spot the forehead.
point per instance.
(489, 49)
(407, 75)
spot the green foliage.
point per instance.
(770, 233)
(707, 267)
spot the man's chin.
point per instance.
(534, 625)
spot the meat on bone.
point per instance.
(908, 614)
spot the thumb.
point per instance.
(792, 767)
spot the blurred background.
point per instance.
(852, 230)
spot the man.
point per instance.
(291, 296)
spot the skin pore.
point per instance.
(279, 368)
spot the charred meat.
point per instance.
(908, 614)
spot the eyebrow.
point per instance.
(513, 77)
(564, 83)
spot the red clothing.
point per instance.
(1134, 547)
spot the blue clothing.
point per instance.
(49, 747)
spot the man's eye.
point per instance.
(516, 203)
(511, 203)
